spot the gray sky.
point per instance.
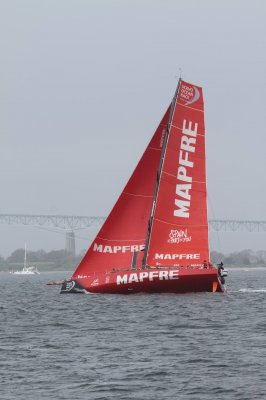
(85, 83)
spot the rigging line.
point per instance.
(214, 217)
(180, 73)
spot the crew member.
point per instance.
(221, 272)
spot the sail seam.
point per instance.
(154, 148)
(137, 195)
(121, 240)
(192, 108)
(177, 127)
(169, 223)
(174, 176)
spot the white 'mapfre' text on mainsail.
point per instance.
(187, 146)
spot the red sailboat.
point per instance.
(156, 237)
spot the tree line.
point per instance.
(39, 256)
(51, 260)
(241, 258)
(61, 257)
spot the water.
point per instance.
(194, 346)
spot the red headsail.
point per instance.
(179, 225)
(124, 231)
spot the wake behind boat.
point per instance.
(26, 270)
(156, 237)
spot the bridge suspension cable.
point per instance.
(70, 223)
(74, 222)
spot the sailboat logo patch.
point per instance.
(179, 236)
(69, 286)
(190, 94)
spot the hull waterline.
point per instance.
(147, 281)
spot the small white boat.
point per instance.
(32, 270)
(26, 270)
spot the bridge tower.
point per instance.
(70, 243)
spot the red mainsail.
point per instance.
(178, 225)
(124, 232)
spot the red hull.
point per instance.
(163, 280)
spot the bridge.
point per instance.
(71, 223)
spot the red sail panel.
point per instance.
(179, 230)
(124, 231)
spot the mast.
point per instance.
(159, 172)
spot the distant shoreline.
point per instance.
(248, 268)
(50, 267)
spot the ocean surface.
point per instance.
(195, 346)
